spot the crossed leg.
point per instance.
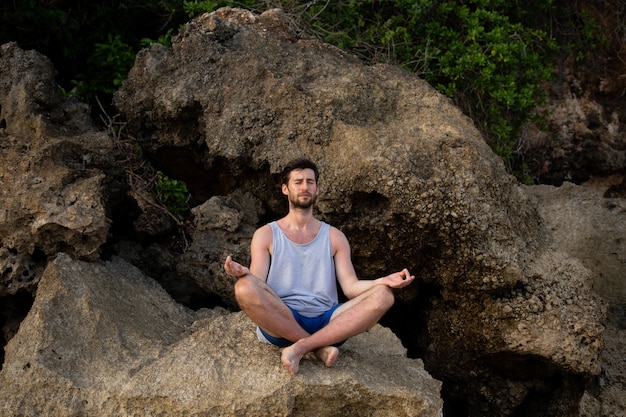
(269, 312)
(354, 317)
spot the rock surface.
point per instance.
(405, 175)
(591, 226)
(55, 166)
(501, 312)
(104, 339)
(585, 131)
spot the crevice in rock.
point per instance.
(13, 309)
(510, 385)
(369, 202)
(408, 320)
(185, 165)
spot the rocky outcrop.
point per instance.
(592, 227)
(104, 339)
(54, 169)
(404, 174)
(585, 135)
(219, 225)
(501, 314)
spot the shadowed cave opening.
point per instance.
(13, 310)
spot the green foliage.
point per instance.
(110, 62)
(492, 57)
(590, 36)
(195, 8)
(482, 53)
(164, 39)
(173, 194)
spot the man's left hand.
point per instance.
(399, 279)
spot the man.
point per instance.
(290, 289)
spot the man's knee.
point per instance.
(245, 291)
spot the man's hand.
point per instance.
(399, 279)
(235, 269)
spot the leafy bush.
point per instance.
(492, 57)
(109, 64)
(195, 8)
(481, 53)
(92, 43)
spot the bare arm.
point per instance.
(260, 249)
(350, 284)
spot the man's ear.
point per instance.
(285, 189)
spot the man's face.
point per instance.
(302, 188)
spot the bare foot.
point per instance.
(328, 355)
(291, 359)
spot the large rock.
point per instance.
(218, 225)
(592, 228)
(53, 166)
(502, 311)
(103, 339)
(590, 224)
(407, 177)
(585, 135)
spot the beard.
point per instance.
(303, 202)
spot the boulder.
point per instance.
(502, 311)
(588, 222)
(53, 169)
(584, 136)
(404, 174)
(590, 226)
(218, 225)
(104, 339)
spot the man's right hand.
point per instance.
(235, 269)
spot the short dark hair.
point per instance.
(297, 165)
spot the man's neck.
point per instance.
(300, 226)
(300, 219)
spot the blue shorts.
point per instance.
(310, 324)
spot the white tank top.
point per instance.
(303, 275)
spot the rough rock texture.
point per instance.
(585, 136)
(592, 227)
(218, 226)
(404, 174)
(502, 312)
(103, 339)
(604, 396)
(53, 166)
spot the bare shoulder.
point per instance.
(260, 252)
(338, 239)
(334, 232)
(263, 236)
